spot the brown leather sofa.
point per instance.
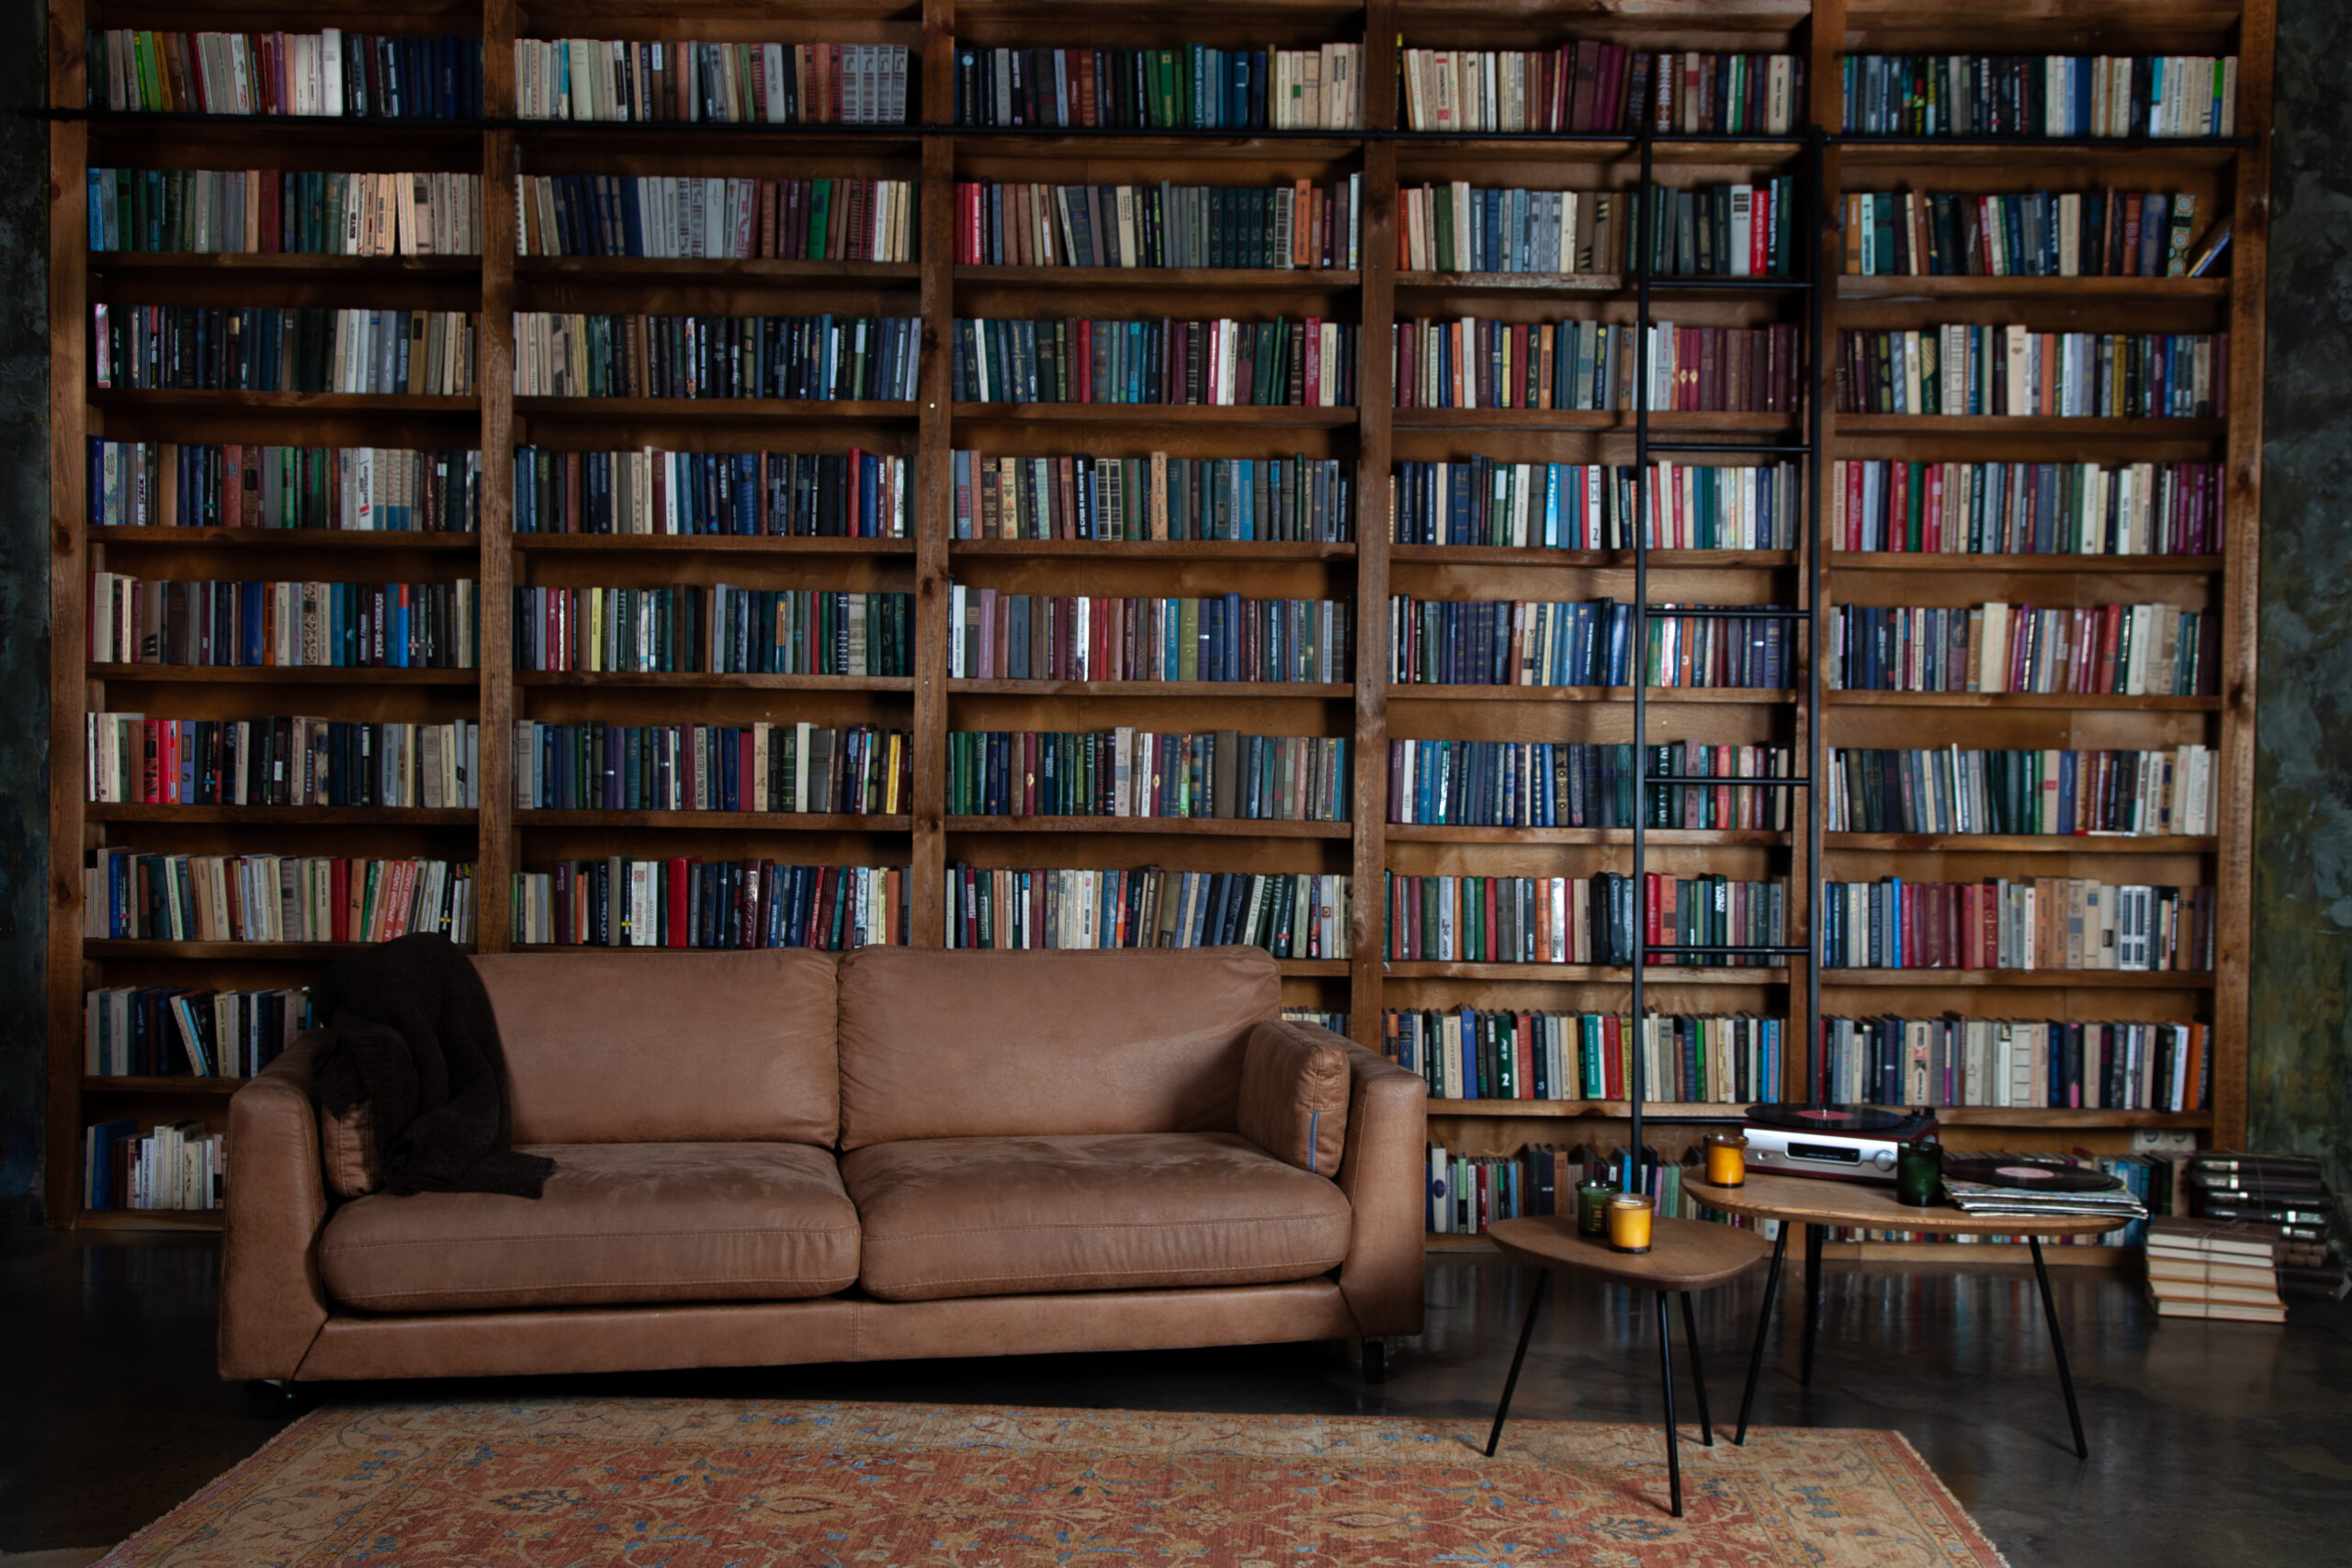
(778, 1157)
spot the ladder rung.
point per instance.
(1777, 447)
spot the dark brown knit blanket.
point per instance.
(410, 1031)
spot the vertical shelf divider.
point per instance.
(927, 889)
(495, 851)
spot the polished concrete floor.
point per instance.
(2211, 1444)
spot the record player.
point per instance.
(1845, 1143)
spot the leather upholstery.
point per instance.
(1384, 1173)
(663, 1047)
(618, 1222)
(1295, 1094)
(943, 1045)
(1103, 1320)
(347, 1148)
(1095, 1212)
(272, 1305)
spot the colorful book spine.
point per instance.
(331, 71)
(134, 760)
(820, 358)
(1290, 915)
(1127, 771)
(168, 1032)
(2056, 1064)
(2135, 651)
(822, 218)
(2018, 372)
(852, 494)
(1543, 783)
(2042, 233)
(859, 771)
(1165, 225)
(1595, 920)
(2132, 794)
(1289, 500)
(1589, 85)
(655, 81)
(272, 212)
(1476, 1054)
(2038, 923)
(2128, 509)
(718, 629)
(1473, 363)
(132, 895)
(261, 348)
(1308, 362)
(995, 635)
(2160, 95)
(1189, 87)
(389, 625)
(1594, 506)
(1507, 643)
(167, 484)
(693, 902)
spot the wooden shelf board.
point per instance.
(1597, 419)
(1251, 416)
(2024, 843)
(276, 264)
(93, 1083)
(1950, 1115)
(694, 680)
(2004, 1255)
(1599, 560)
(1436, 692)
(292, 538)
(262, 952)
(962, 685)
(809, 410)
(1457, 833)
(1920, 560)
(2026, 425)
(773, 821)
(1606, 1108)
(1251, 280)
(1156, 549)
(1198, 827)
(324, 816)
(284, 402)
(2024, 980)
(713, 269)
(752, 544)
(283, 675)
(2040, 288)
(2079, 701)
(1586, 973)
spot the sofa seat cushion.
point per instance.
(620, 1223)
(1002, 1216)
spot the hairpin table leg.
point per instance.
(1526, 1332)
(1763, 1329)
(2058, 1348)
(1666, 1380)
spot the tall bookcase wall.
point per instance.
(1367, 438)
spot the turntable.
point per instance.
(1845, 1143)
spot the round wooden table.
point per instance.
(1816, 1202)
(1684, 1256)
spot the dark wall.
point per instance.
(24, 603)
(2301, 1096)
(2302, 1089)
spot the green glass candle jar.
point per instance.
(1918, 1172)
(1592, 1207)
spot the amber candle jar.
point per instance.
(1726, 1159)
(1629, 1221)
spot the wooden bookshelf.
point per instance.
(1371, 438)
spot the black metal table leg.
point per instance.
(1763, 1329)
(2058, 1348)
(1698, 1373)
(1666, 1380)
(1811, 1299)
(1526, 1332)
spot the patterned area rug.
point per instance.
(710, 1484)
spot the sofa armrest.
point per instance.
(272, 1305)
(1385, 1172)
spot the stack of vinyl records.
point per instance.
(2214, 1268)
(2029, 1186)
(2282, 1197)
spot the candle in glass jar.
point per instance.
(1629, 1221)
(1592, 1207)
(1726, 1159)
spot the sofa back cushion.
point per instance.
(668, 1047)
(945, 1044)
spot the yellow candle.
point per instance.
(1726, 1159)
(1628, 1222)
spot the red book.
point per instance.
(1525, 1079)
(1612, 1057)
(675, 879)
(1650, 915)
(1898, 508)
(767, 218)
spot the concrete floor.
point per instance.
(2211, 1444)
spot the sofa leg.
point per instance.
(277, 1397)
(1375, 1360)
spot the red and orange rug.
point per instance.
(711, 1483)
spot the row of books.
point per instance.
(274, 211)
(283, 761)
(264, 348)
(1470, 1053)
(169, 1031)
(134, 894)
(691, 215)
(851, 495)
(2222, 1270)
(2060, 1063)
(1297, 499)
(2128, 509)
(1946, 790)
(1531, 643)
(390, 626)
(1189, 87)
(1282, 226)
(679, 902)
(825, 358)
(2137, 650)
(1468, 1192)
(996, 635)
(713, 629)
(1974, 368)
(859, 769)
(326, 72)
(2041, 233)
(1717, 231)
(1545, 783)
(1125, 771)
(1290, 915)
(1593, 86)
(1594, 506)
(169, 484)
(1223, 363)
(1582, 920)
(1473, 363)
(2050, 923)
(1320, 1018)
(177, 1165)
(2039, 94)
(648, 80)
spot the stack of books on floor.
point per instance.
(2214, 1268)
(2284, 1199)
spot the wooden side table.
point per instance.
(1814, 1203)
(1684, 1256)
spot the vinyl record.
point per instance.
(2024, 1171)
(1849, 1120)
